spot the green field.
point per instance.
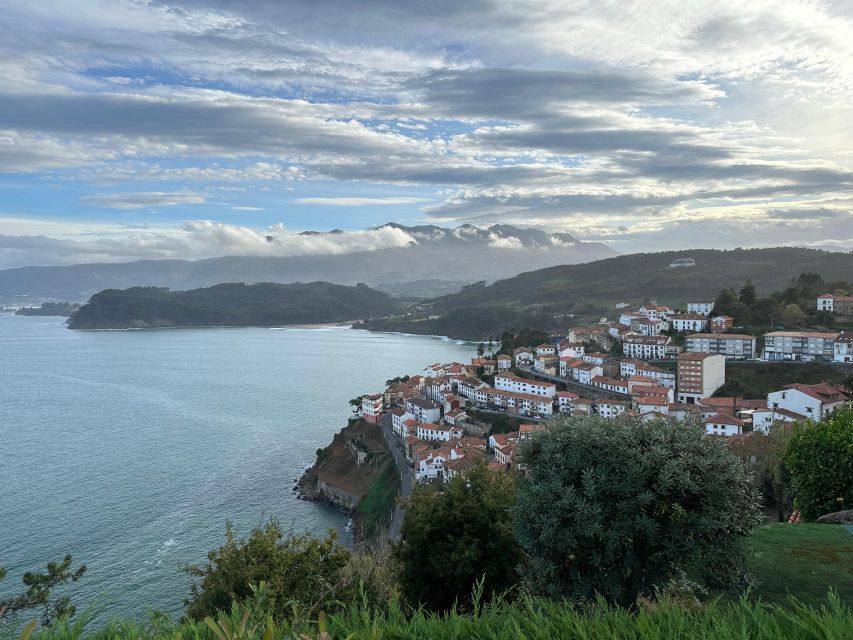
(803, 560)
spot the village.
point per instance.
(437, 415)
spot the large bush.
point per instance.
(820, 461)
(621, 509)
(456, 535)
(299, 570)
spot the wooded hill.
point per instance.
(231, 305)
(541, 299)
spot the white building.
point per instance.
(814, 401)
(509, 382)
(702, 308)
(843, 347)
(424, 410)
(648, 326)
(763, 419)
(504, 362)
(699, 376)
(733, 346)
(434, 371)
(586, 371)
(626, 317)
(523, 356)
(799, 345)
(565, 400)
(546, 350)
(842, 305)
(654, 312)
(372, 406)
(436, 433)
(694, 322)
(720, 424)
(610, 408)
(614, 385)
(646, 347)
(571, 349)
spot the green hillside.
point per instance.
(231, 305)
(542, 299)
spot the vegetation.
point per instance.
(238, 304)
(763, 455)
(512, 339)
(456, 536)
(819, 458)
(756, 380)
(63, 309)
(621, 513)
(376, 507)
(802, 559)
(525, 618)
(541, 299)
(39, 592)
(300, 571)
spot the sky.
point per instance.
(197, 128)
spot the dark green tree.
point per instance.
(481, 349)
(457, 534)
(747, 295)
(621, 512)
(820, 460)
(299, 569)
(40, 587)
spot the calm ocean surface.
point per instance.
(129, 449)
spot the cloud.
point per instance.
(244, 208)
(142, 199)
(360, 202)
(505, 242)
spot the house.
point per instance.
(763, 419)
(424, 410)
(523, 356)
(688, 322)
(565, 400)
(647, 347)
(435, 432)
(398, 416)
(721, 324)
(682, 263)
(527, 430)
(699, 375)
(627, 317)
(586, 371)
(654, 312)
(488, 366)
(842, 347)
(504, 362)
(582, 407)
(639, 380)
(641, 392)
(814, 401)
(720, 424)
(648, 326)
(663, 377)
(610, 408)
(437, 387)
(504, 453)
(595, 358)
(434, 371)
(799, 345)
(652, 406)
(397, 394)
(467, 387)
(510, 382)
(842, 305)
(701, 308)
(614, 385)
(546, 349)
(733, 346)
(547, 364)
(502, 439)
(371, 407)
(571, 349)
(566, 366)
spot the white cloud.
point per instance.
(505, 242)
(360, 202)
(142, 199)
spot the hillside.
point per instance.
(231, 305)
(540, 299)
(441, 258)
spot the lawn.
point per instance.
(804, 560)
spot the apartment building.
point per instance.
(733, 346)
(799, 345)
(699, 376)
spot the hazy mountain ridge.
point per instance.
(465, 254)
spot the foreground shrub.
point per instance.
(820, 460)
(298, 570)
(619, 510)
(456, 535)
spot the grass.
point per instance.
(803, 560)
(376, 507)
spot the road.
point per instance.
(406, 476)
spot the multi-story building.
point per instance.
(509, 382)
(504, 362)
(565, 400)
(646, 347)
(842, 305)
(721, 324)
(799, 345)
(523, 356)
(702, 308)
(372, 406)
(546, 349)
(615, 385)
(424, 410)
(815, 401)
(843, 347)
(610, 408)
(688, 322)
(571, 349)
(699, 376)
(721, 424)
(648, 326)
(733, 346)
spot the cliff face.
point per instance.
(346, 470)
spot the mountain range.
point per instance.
(442, 257)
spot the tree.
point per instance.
(724, 303)
(481, 349)
(847, 383)
(38, 593)
(793, 314)
(298, 569)
(746, 295)
(820, 460)
(621, 512)
(457, 534)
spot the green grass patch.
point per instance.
(376, 507)
(803, 560)
(757, 380)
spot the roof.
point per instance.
(657, 401)
(518, 350)
(567, 394)
(545, 345)
(720, 336)
(503, 356)
(398, 411)
(688, 316)
(784, 412)
(845, 336)
(647, 340)
(694, 355)
(721, 418)
(423, 403)
(802, 334)
(639, 378)
(823, 391)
